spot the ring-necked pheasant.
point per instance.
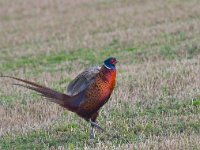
(86, 94)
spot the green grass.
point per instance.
(125, 128)
(47, 62)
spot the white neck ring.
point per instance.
(106, 66)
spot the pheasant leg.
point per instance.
(92, 132)
(94, 124)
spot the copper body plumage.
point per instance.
(86, 94)
(97, 93)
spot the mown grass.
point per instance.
(47, 62)
(156, 100)
(133, 124)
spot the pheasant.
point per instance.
(85, 95)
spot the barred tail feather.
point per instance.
(56, 97)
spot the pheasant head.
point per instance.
(110, 63)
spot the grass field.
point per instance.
(156, 102)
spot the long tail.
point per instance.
(56, 97)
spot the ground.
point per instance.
(156, 102)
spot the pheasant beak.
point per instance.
(116, 61)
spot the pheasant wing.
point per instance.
(82, 81)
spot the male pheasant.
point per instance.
(86, 94)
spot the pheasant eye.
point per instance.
(112, 61)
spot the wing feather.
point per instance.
(82, 81)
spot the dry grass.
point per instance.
(156, 103)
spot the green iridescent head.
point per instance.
(110, 63)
